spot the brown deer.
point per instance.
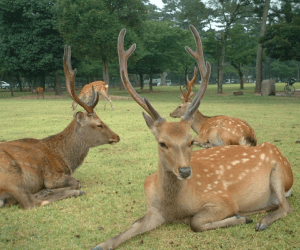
(217, 130)
(36, 172)
(39, 92)
(86, 92)
(212, 188)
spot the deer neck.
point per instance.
(169, 187)
(68, 146)
(199, 121)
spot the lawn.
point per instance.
(112, 176)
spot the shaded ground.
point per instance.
(67, 96)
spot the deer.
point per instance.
(38, 172)
(216, 130)
(39, 92)
(209, 188)
(86, 92)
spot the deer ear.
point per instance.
(80, 117)
(149, 121)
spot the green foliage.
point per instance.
(242, 46)
(113, 176)
(163, 47)
(29, 42)
(281, 41)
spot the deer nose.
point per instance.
(185, 172)
(118, 138)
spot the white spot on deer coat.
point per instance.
(245, 160)
(235, 162)
(262, 156)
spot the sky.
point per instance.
(158, 3)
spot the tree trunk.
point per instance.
(260, 49)
(57, 84)
(222, 65)
(10, 87)
(238, 68)
(105, 71)
(136, 79)
(150, 81)
(42, 79)
(186, 75)
(141, 80)
(298, 76)
(162, 79)
(20, 83)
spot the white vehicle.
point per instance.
(155, 81)
(4, 85)
(168, 83)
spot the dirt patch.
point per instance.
(66, 96)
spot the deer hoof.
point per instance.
(260, 226)
(97, 248)
(248, 220)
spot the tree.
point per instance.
(241, 49)
(281, 41)
(30, 45)
(187, 12)
(227, 13)
(162, 46)
(260, 49)
(92, 27)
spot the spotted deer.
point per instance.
(86, 92)
(212, 188)
(37, 172)
(39, 92)
(217, 130)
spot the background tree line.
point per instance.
(242, 39)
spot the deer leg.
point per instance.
(277, 187)
(105, 104)
(218, 215)
(57, 194)
(152, 219)
(55, 182)
(18, 195)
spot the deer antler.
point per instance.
(123, 58)
(204, 69)
(70, 83)
(187, 97)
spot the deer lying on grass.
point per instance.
(39, 92)
(212, 188)
(86, 92)
(36, 172)
(217, 130)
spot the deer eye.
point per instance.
(100, 126)
(163, 145)
(192, 143)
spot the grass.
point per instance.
(113, 176)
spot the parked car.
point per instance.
(4, 85)
(168, 83)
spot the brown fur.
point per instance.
(86, 92)
(37, 172)
(39, 92)
(29, 166)
(218, 130)
(222, 181)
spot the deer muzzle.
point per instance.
(185, 172)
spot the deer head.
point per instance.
(88, 122)
(174, 139)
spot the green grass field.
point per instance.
(113, 176)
